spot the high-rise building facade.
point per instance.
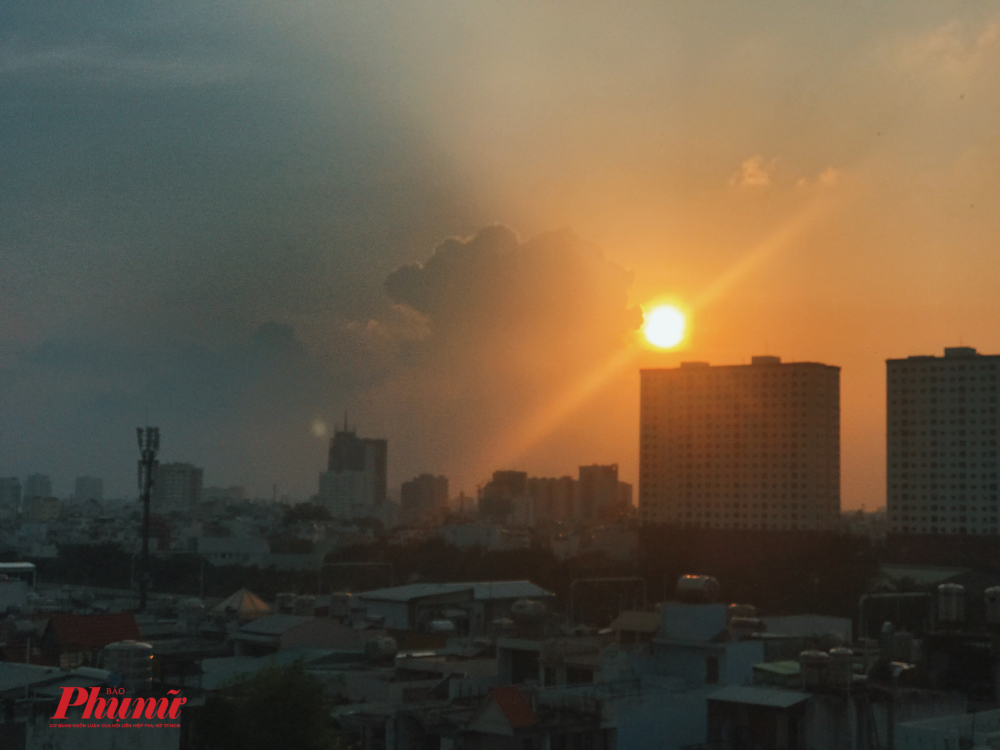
(354, 484)
(177, 485)
(941, 443)
(742, 446)
(10, 492)
(423, 496)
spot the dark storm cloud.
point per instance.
(176, 175)
(495, 292)
(511, 326)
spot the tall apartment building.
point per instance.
(422, 496)
(742, 446)
(354, 484)
(10, 492)
(177, 485)
(497, 495)
(941, 443)
(535, 500)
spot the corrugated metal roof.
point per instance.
(759, 696)
(273, 625)
(634, 621)
(784, 668)
(481, 591)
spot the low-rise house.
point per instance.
(247, 551)
(471, 607)
(72, 641)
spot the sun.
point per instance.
(664, 326)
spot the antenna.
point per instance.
(149, 444)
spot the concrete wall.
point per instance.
(397, 614)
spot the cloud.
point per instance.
(954, 49)
(511, 325)
(108, 65)
(753, 173)
(827, 178)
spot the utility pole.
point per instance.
(149, 444)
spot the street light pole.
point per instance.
(149, 444)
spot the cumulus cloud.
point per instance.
(954, 48)
(511, 324)
(753, 173)
(827, 178)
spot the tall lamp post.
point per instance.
(149, 444)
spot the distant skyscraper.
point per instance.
(554, 498)
(423, 496)
(177, 486)
(10, 492)
(941, 443)
(88, 488)
(497, 495)
(741, 447)
(354, 484)
(598, 490)
(38, 485)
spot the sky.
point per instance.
(238, 220)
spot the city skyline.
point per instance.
(233, 223)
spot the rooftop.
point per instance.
(759, 696)
(482, 591)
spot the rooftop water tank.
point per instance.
(528, 611)
(951, 603)
(133, 660)
(740, 610)
(841, 666)
(340, 605)
(380, 649)
(992, 597)
(697, 589)
(815, 668)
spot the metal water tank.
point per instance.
(992, 597)
(133, 660)
(815, 668)
(441, 627)
(285, 602)
(528, 611)
(380, 649)
(697, 589)
(740, 610)
(305, 605)
(340, 605)
(841, 674)
(951, 603)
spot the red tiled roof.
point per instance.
(514, 706)
(91, 632)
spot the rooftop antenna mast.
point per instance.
(149, 444)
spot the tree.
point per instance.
(278, 707)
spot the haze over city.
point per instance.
(238, 221)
